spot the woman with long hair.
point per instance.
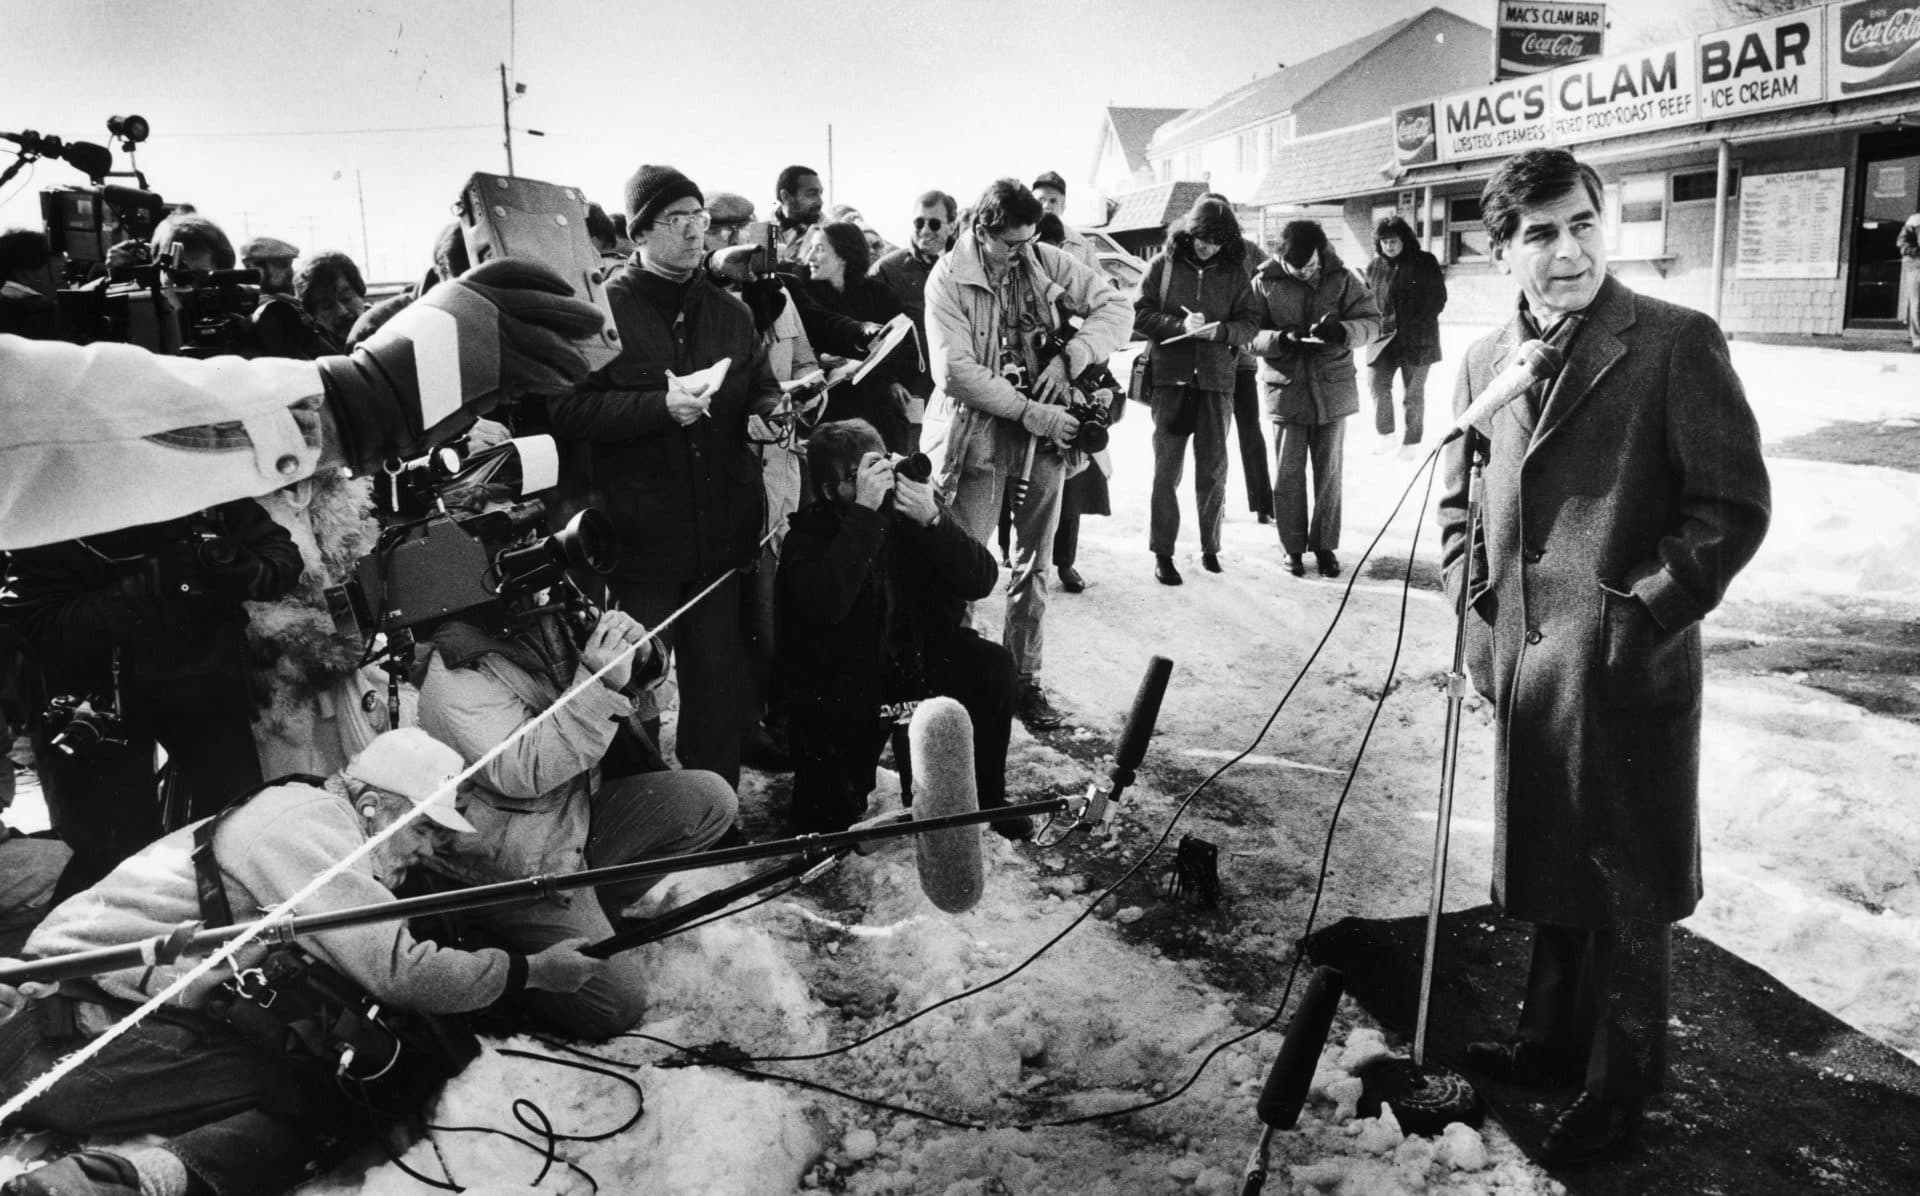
(1196, 305)
(838, 256)
(1410, 292)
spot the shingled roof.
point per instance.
(1329, 167)
(1153, 206)
(1270, 96)
(1133, 129)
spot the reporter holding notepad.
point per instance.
(1197, 306)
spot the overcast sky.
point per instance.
(278, 118)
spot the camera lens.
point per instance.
(1092, 437)
(915, 467)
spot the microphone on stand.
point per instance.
(940, 742)
(1536, 361)
(1285, 1093)
(1133, 742)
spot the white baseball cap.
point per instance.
(416, 766)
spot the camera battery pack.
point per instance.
(518, 217)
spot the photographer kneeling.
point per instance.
(584, 788)
(871, 605)
(242, 1116)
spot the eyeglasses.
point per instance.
(680, 222)
(934, 223)
(1029, 239)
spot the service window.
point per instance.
(1637, 205)
(1467, 238)
(1696, 186)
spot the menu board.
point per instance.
(1790, 224)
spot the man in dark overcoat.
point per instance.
(1619, 500)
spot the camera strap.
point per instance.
(293, 1004)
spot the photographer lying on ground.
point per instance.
(871, 603)
(243, 1117)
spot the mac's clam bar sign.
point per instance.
(1533, 37)
(1812, 56)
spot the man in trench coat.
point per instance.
(1619, 500)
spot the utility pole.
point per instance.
(829, 164)
(506, 124)
(366, 251)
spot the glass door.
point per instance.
(1889, 192)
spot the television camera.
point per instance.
(109, 286)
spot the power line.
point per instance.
(336, 132)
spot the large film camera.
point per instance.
(129, 297)
(1091, 398)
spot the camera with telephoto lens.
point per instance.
(79, 725)
(915, 467)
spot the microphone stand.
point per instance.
(192, 938)
(1424, 1098)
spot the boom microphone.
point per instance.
(1536, 361)
(1286, 1090)
(940, 741)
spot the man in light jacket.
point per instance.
(997, 427)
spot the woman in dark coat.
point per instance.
(1196, 290)
(838, 256)
(1410, 292)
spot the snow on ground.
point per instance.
(1806, 801)
(1810, 850)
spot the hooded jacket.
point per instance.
(1311, 387)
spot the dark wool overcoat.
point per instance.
(1614, 521)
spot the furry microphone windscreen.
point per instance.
(940, 742)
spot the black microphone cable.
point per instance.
(747, 1064)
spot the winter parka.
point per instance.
(1410, 292)
(1217, 289)
(1316, 387)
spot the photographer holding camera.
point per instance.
(993, 435)
(871, 602)
(137, 637)
(583, 788)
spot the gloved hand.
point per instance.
(1049, 422)
(734, 263)
(1271, 341)
(766, 299)
(507, 328)
(1331, 331)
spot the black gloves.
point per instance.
(1331, 331)
(766, 299)
(508, 328)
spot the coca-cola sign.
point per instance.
(1413, 141)
(1530, 51)
(1877, 44)
(1531, 36)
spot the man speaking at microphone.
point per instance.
(1620, 498)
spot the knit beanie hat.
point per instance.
(651, 189)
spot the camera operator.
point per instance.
(77, 459)
(670, 460)
(566, 796)
(991, 308)
(146, 626)
(240, 1116)
(873, 593)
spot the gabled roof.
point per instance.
(1133, 128)
(1277, 93)
(1154, 206)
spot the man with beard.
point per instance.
(997, 428)
(800, 201)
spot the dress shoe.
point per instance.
(1264, 516)
(1164, 571)
(1210, 561)
(1328, 564)
(1530, 1064)
(1592, 1127)
(1295, 566)
(1070, 579)
(1031, 706)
